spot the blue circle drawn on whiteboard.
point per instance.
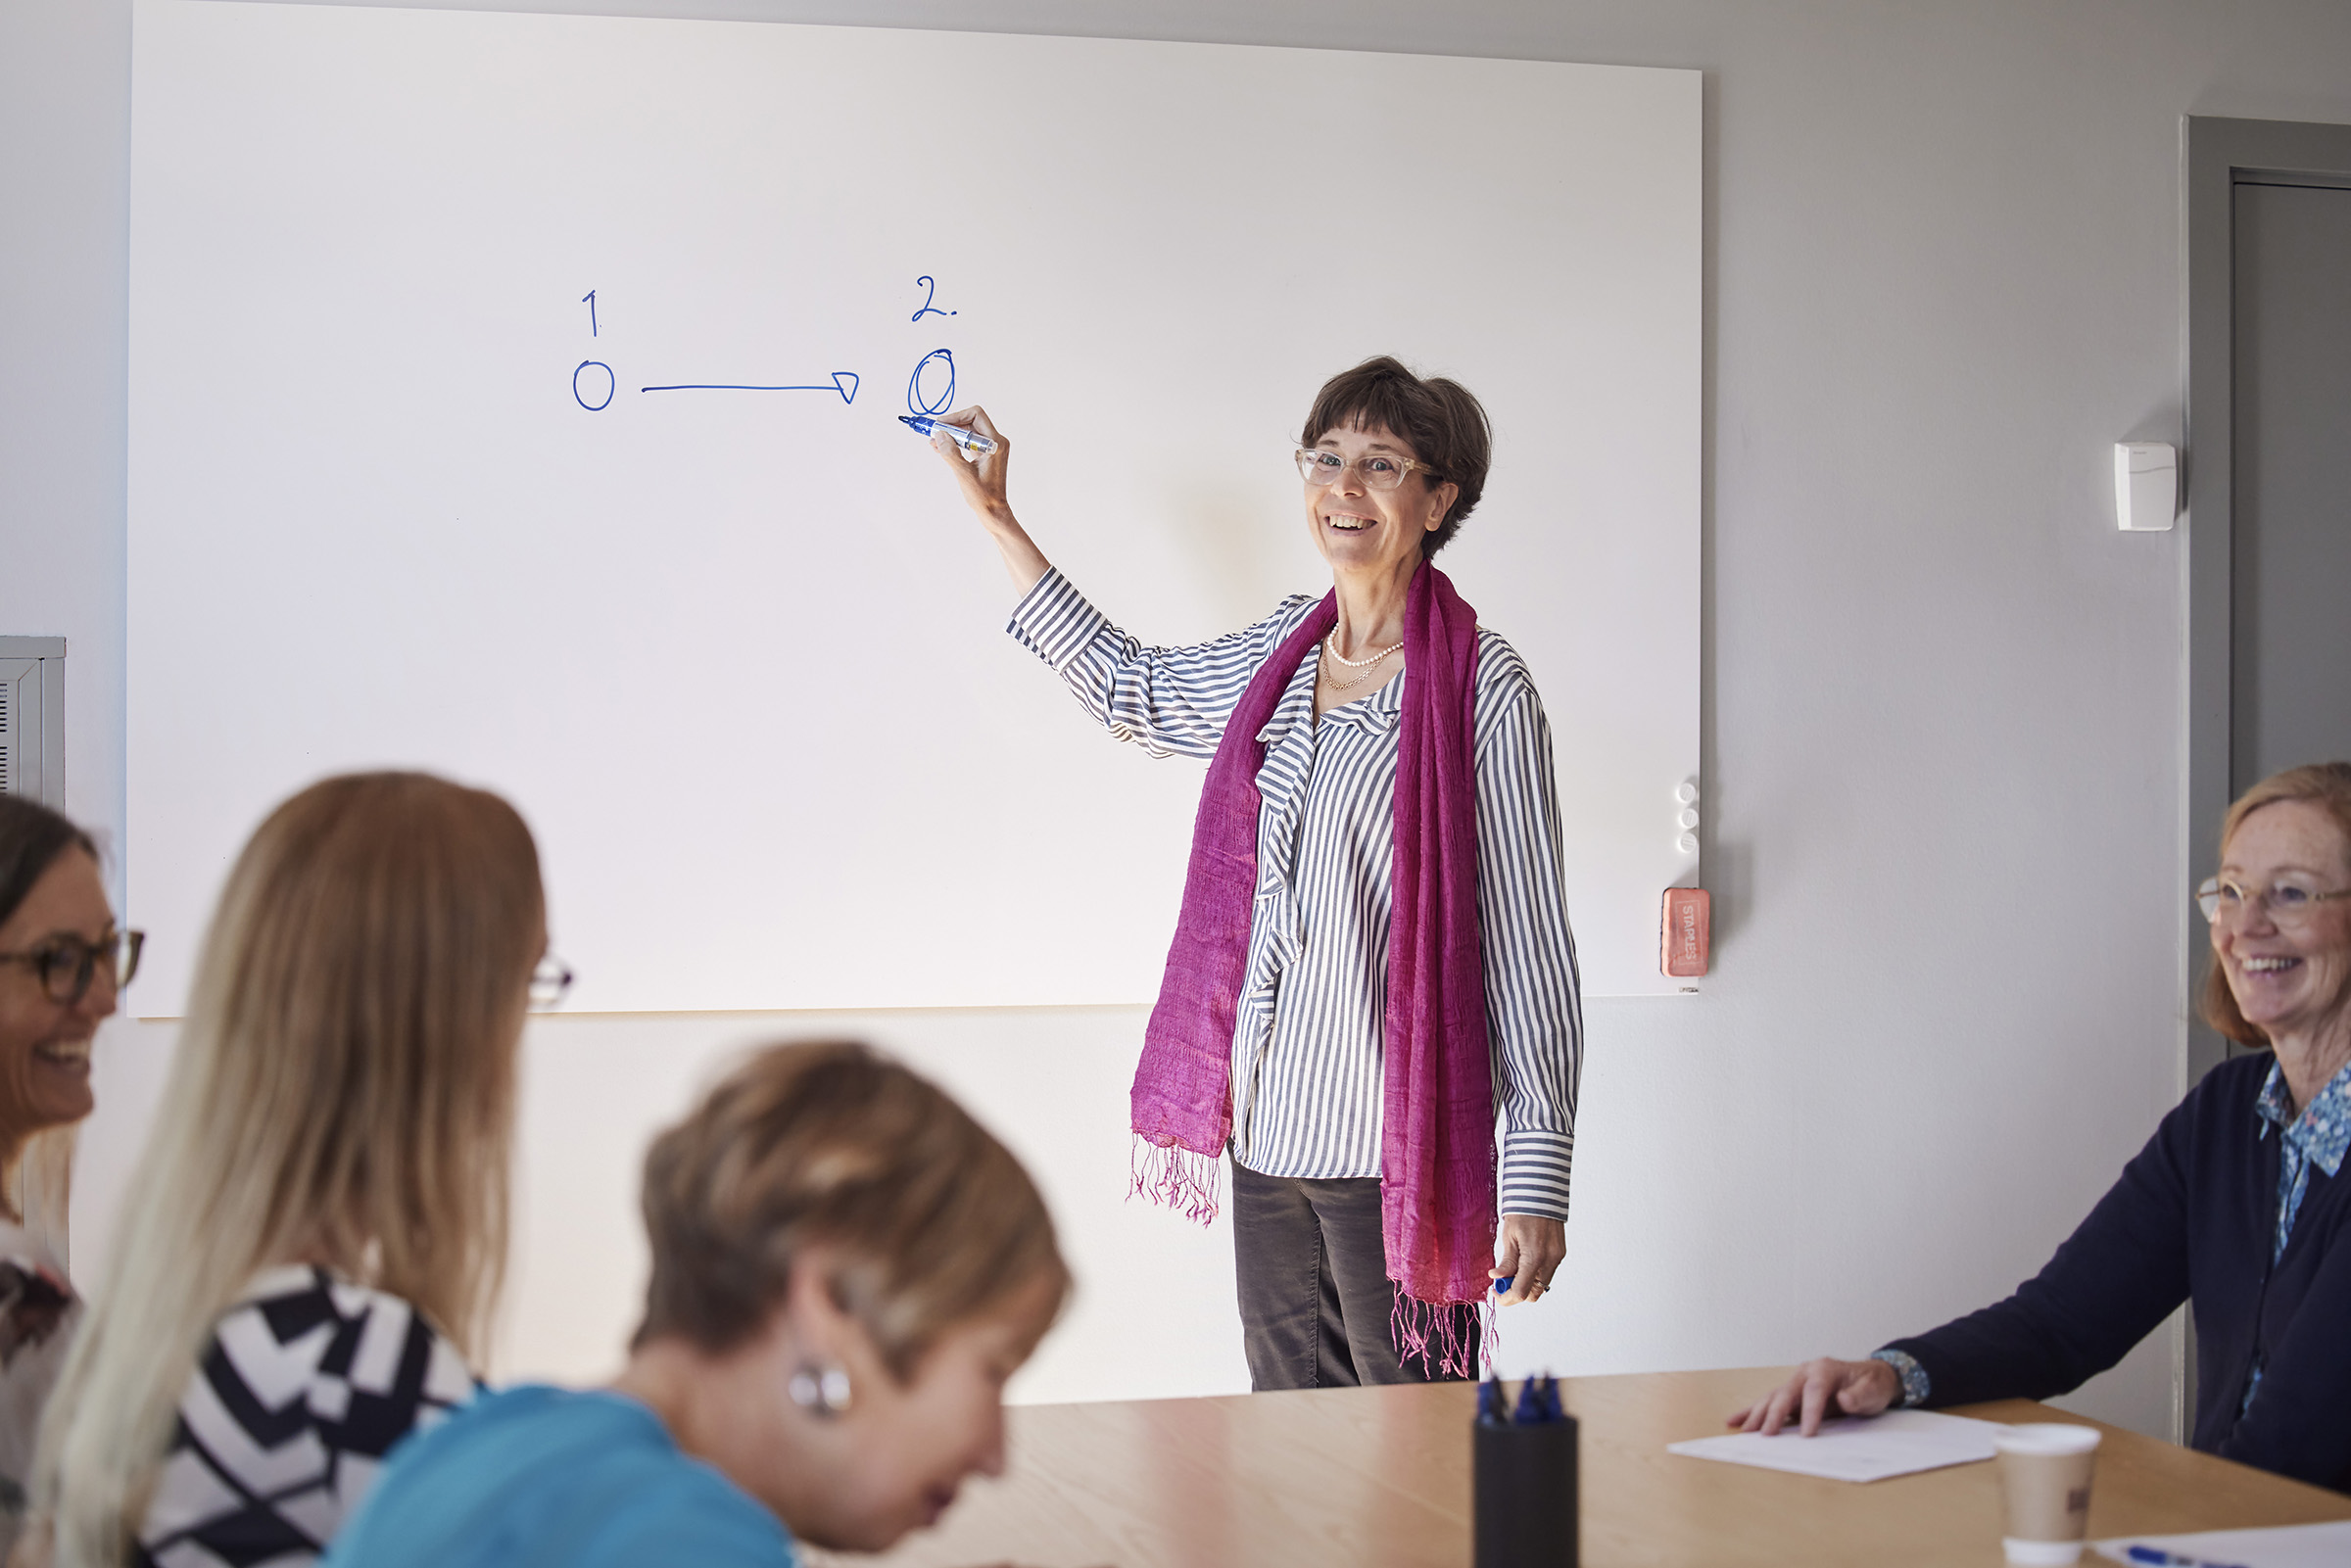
(580, 396)
(916, 403)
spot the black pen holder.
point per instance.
(1526, 1504)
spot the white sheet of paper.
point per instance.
(2327, 1545)
(1871, 1449)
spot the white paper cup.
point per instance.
(2044, 1483)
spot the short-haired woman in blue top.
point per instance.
(2237, 1206)
(846, 1270)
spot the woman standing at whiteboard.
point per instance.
(1373, 958)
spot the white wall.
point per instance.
(1942, 728)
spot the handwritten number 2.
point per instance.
(930, 293)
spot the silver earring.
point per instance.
(823, 1390)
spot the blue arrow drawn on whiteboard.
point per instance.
(844, 381)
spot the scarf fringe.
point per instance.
(1434, 1334)
(1174, 1177)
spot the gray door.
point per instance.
(2291, 581)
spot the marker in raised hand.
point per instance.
(967, 440)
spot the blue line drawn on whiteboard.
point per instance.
(593, 364)
(915, 401)
(589, 300)
(844, 381)
(930, 293)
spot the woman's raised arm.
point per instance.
(982, 480)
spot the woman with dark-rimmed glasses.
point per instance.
(2239, 1205)
(1372, 965)
(61, 961)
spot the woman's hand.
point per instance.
(982, 480)
(1856, 1387)
(1530, 1248)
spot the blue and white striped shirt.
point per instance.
(1307, 1040)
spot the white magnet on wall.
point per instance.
(1686, 791)
(2147, 486)
(1686, 843)
(1689, 817)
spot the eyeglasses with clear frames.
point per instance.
(2290, 903)
(66, 966)
(550, 981)
(1379, 470)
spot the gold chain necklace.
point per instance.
(1348, 686)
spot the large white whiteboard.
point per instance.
(739, 654)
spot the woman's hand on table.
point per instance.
(982, 479)
(1530, 1248)
(1852, 1388)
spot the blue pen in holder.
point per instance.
(1525, 1482)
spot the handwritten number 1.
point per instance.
(589, 300)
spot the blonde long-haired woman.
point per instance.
(312, 1242)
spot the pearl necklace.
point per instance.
(1330, 646)
(1360, 664)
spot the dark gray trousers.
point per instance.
(1316, 1297)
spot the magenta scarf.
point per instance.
(1436, 1157)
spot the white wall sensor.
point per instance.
(2147, 486)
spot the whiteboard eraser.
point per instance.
(2147, 486)
(1682, 943)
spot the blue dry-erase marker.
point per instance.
(1502, 1286)
(966, 441)
(1530, 1412)
(2170, 1559)
(1491, 1410)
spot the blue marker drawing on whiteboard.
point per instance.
(587, 365)
(930, 293)
(589, 300)
(844, 381)
(916, 403)
(968, 442)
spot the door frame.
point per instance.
(2217, 155)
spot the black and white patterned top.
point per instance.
(305, 1386)
(1308, 1032)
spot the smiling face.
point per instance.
(45, 1045)
(1361, 529)
(2287, 982)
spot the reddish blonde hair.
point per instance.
(2323, 784)
(933, 1221)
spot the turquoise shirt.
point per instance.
(538, 1477)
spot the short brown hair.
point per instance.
(828, 1143)
(2326, 785)
(1446, 426)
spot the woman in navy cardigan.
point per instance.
(2237, 1206)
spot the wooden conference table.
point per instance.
(1378, 1477)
